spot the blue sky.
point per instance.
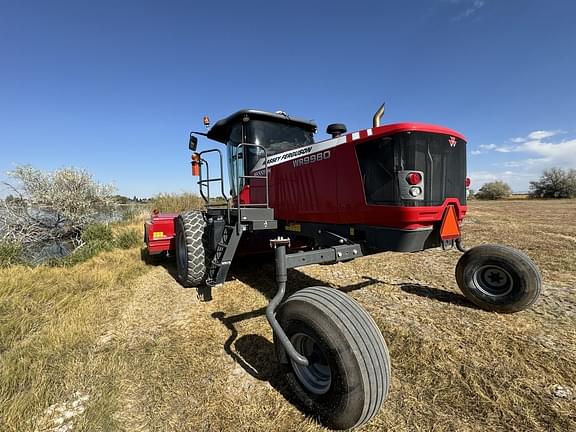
(115, 87)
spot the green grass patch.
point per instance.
(98, 232)
(10, 253)
(127, 239)
(100, 238)
(83, 253)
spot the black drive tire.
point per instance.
(190, 253)
(498, 278)
(349, 360)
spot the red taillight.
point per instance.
(414, 178)
(244, 195)
(468, 182)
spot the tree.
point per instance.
(52, 205)
(121, 199)
(493, 191)
(554, 183)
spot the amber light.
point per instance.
(414, 178)
(196, 164)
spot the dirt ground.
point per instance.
(168, 362)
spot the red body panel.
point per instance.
(331, 191)
(159, 232)
(326, 189)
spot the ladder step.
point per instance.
(225, 248)
(220, 276)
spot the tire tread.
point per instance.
(364, 337)
(194, 224)
(513, 256)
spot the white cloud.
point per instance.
(561, 154)
(480, 177)
(501, 149)
(488, 146)
(541, 150)
(537, 151)
(475, 152)
(517, 180)
(541, 134)
(472, 6)
(513, 164)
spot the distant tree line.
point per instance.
(117, 199)
(121, 199)
(554, 183)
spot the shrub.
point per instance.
(10, 253)
(52, 206)
(554, 183)
(494, 190)
(97, 232)
(128, 239)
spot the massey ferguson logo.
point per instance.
(452, 141)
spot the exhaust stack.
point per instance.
(378, 116)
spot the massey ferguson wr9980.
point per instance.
(398, 187)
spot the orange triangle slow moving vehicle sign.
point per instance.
(450, 228)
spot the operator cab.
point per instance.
(275, 132)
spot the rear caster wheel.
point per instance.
(348, 376)
(498, 278)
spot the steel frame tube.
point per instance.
(281, 279)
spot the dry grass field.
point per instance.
(114, 344)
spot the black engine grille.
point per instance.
(444, 167)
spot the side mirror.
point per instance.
(193, 143)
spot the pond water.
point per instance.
(42, 252)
